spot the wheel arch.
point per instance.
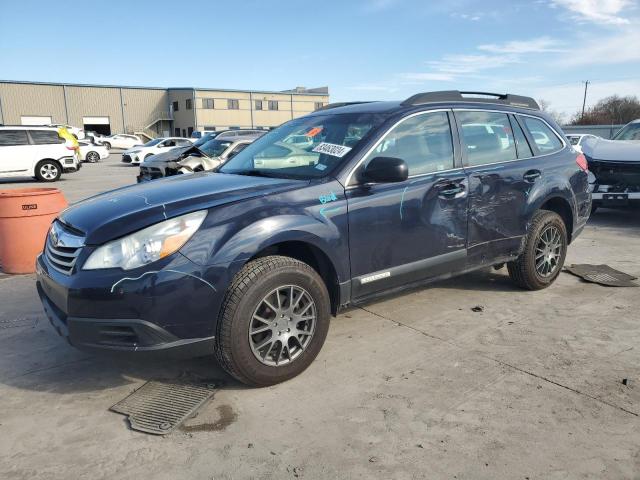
(562, 207)
(313, 256)
(54, 160)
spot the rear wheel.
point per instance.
(92, 157)
(274, 321)
(48, 171)
(545, 249)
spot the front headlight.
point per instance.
(147, 245)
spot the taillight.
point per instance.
(581, 160)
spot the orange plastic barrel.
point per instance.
(25, 217)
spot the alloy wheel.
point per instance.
(282, 325)
(92, 157)
(49, 171)
(548, 251)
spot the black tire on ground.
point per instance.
(48, 171)
(523, 270)
(245, 294)
(92, 157)
(107, 145)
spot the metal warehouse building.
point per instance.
(153, 111)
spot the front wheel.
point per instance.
(544, 252)
(274, 321)
(107, 145)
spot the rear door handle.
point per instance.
(452, 190)
(532, 175)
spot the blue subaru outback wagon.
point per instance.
(329, 210)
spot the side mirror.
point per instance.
(386, 170)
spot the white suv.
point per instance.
(35, 152)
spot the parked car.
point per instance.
(137, 154)
(96, 139)
(91, 152)
(616, 166)
(205, 157)
(121, 141)
(577, 139)
(39, 152)
(630, 132)
(251, 261)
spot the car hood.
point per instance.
(172, 155)
(612, 150)
(128, 209)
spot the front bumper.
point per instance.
(167, 309)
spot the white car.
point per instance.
(91, 152)
(122, 141)
(138, 154)
(38, 152)
(578, 139)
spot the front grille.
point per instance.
(62, 248)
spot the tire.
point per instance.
(48, 171)
(92, 157)
(107, 145)
(524, 271)
(237, 349)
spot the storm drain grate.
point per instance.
(160, 406)
(603, 275)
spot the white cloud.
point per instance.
(534, 45)
(607, 12)
(622, 47)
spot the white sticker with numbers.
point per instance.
(332, 149)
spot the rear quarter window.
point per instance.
(543, 136)
(487, 136)
(45, 137)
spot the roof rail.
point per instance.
(481, 97)
(339, 104)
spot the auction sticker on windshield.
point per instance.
(332, 149)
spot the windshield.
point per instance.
(628, 132)
(305, 148)
(205, 138)
(153, 142)
(215, 148)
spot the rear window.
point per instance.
(45, 137)
(487, 136)
(13, 137)
(543, 136)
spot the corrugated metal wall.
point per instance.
(31, 100)
(143, 106)
(95, 102)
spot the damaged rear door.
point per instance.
(501, 168)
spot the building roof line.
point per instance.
(269, 92)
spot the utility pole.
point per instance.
(584, 101)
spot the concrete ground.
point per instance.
(416, 386)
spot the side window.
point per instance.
(13, 137)
(523, 147)
(487, 137)
(545, 138)
(237, 150)
(45, 137)
(423, 141)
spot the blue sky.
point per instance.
(361, 49)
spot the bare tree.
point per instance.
(613, 110)
(545, 106)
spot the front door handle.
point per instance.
(531, 176)
(452, 190)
